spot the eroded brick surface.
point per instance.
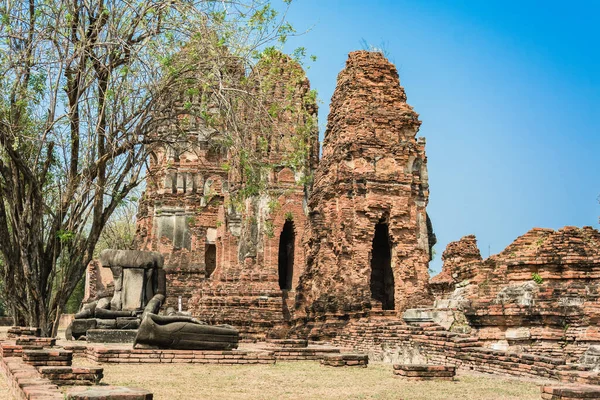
(540, 294)
(221, 258)
(373, 171)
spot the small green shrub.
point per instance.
(537, 278)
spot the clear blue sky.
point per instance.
(509, 95)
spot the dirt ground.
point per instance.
(307, 380)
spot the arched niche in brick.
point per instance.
(382, 275)
(285, 261)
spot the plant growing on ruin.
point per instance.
(537, 278)
(85, 90)
(269, 229)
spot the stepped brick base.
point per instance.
(25, 383)
(345, 360)
(12, 350)
(108, 393)
(65, 376)
(570, 392)
(48, 357)
(15, 331)
(422, 372)
(34, 341)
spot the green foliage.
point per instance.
(65, 235)
(537, 278)
(289, 216)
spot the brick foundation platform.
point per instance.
(67, 376)
(135, 356)
(11, 350)
(108, 393)
(345, 360)
(423, 372)
(47, 357)
(570, 392)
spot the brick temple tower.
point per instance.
(369, 238)
(237, 259)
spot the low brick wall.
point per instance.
(303, 354)
(15, 331)
(34, 341)
(263, 355)
(345, 360)
(428, 343)
(25, 383)
(68, 376)
(418, 372)
(135, 356)
(570, 392)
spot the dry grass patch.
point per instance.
(306, 380)
(4, 392)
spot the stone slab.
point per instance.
(108, 393)
(570, 392)
(418, 315)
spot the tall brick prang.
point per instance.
(370, 239)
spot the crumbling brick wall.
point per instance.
(540, 294)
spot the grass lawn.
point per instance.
(306, 380)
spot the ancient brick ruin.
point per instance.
(278, 259)
(338, 249)
(234, 264)
(540, 294)
(345, 257)
(369, 236)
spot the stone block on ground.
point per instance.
(417, 315)
(345, 360)
(47, 357)
(570, 392)
(35, 341)
(111, 335)
(422, 372)
(79, 327)
(108, 393)
(128, 323)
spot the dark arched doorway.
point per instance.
(382, 276)
(210, 259)
(286, 256)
